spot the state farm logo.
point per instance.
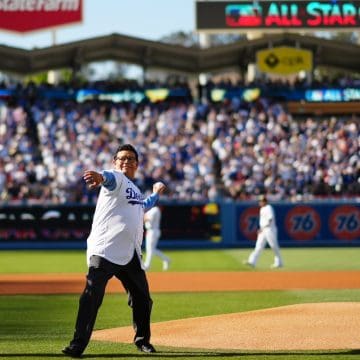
(30, 15)
(344, 222)
(249, 221)
(302, 223)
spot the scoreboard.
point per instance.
(277, 15)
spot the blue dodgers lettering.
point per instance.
(134, 197)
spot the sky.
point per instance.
(148, 19)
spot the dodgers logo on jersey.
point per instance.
(134, 197)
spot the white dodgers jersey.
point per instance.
(117, 228)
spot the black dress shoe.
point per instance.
(72, 351)
(146, 348)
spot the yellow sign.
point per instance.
(284, 60)
(156, 95)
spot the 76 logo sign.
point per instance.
(302, 223)
(249, 221)
(345, 222)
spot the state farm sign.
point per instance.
(29, 15)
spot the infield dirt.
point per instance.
(320, 326)
(187, 281)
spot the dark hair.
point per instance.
(263, 198)
(127, 147)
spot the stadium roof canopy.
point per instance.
(158, 55)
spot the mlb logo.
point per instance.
(243, 15)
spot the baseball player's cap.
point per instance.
(262, 198)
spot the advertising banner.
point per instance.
(29, 15)
(71, 224)
(304, 225)
(284, 60)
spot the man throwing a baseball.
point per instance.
(114, 249)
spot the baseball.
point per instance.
(159, 187)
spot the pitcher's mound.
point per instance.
(321, 326)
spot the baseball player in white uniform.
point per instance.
(114, 249)
(152, 236)
(267, 234)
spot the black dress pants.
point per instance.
(133, 279)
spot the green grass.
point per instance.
(37, 327)
(33, 261)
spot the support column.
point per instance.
(205, 42)
(252, 68)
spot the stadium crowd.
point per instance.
(202, 150)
